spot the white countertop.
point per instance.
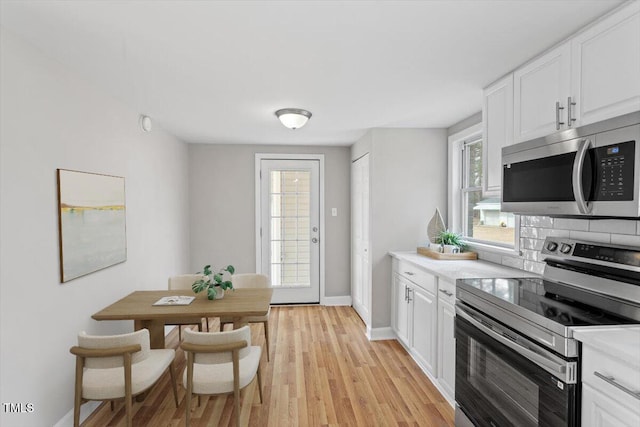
(621, 342)
(464, 269)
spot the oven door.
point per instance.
(503, 379)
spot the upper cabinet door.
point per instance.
(497, 120)
(541, 90)
(606, 67)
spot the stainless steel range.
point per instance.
(517, 363)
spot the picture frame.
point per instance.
(91, 222)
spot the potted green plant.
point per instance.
(213, 282)
(450, 240)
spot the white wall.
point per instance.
(408, 175)
(222, 220)
(50, 119)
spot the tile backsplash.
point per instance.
(534, 229)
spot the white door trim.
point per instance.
(258, 240)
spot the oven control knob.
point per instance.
(552, 246)
(565, 249)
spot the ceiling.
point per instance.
(216, 71)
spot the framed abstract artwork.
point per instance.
(92, 222)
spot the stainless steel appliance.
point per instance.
(517, 363)
(592, 170)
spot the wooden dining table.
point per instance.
(138, 306)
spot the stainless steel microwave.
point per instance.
(593, 170)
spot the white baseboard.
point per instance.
(85, 410)
(341, 300)
(376, 334)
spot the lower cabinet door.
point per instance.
(599, 410)
(446, 348)
(424, 318)
(401, 313)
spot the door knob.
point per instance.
(314, 240)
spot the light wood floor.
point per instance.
(323, 372)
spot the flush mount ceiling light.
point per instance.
(293, 118)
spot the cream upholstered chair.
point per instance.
(251, 280)
(220, 363)
(180, 283)
(118, 366)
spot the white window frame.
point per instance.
(456, 194)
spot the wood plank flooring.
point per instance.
(323, 372)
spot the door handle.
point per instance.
(558, 122)
(570, 119)
(578, 166)
(611, 380)
(444, 291)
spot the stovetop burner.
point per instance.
(553, 301)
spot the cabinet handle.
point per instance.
(558, 122)
(570, 119)
(406, 291)
(409, 295)
(613, 382)
(446, 292)
(408, 273)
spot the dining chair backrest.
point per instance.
(207, 338)
(250, 280)
(140, 337)
(183, 281)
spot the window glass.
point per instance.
(482, 219)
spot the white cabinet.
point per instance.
(497, 119)
(423, 332)
(446, 339)
(593, 76)
(599, 410)
(400, 320)
(606, 67)
(608, 386)
(541, 90)
(360, 253)
(414, 314)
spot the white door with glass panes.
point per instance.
(290, 228)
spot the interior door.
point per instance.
(290, 228)
(360, 267)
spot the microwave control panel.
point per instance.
(614, 167)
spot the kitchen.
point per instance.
(408, 171)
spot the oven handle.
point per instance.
(559, 369)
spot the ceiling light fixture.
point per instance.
(293, 118)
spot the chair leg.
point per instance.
(206, 319)
(260, 384)
(127, 389)
(78, 391)
(173, 383)
(189, 387)
(266, 337)
(113, 405)
(179, 334)
(236, 384)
